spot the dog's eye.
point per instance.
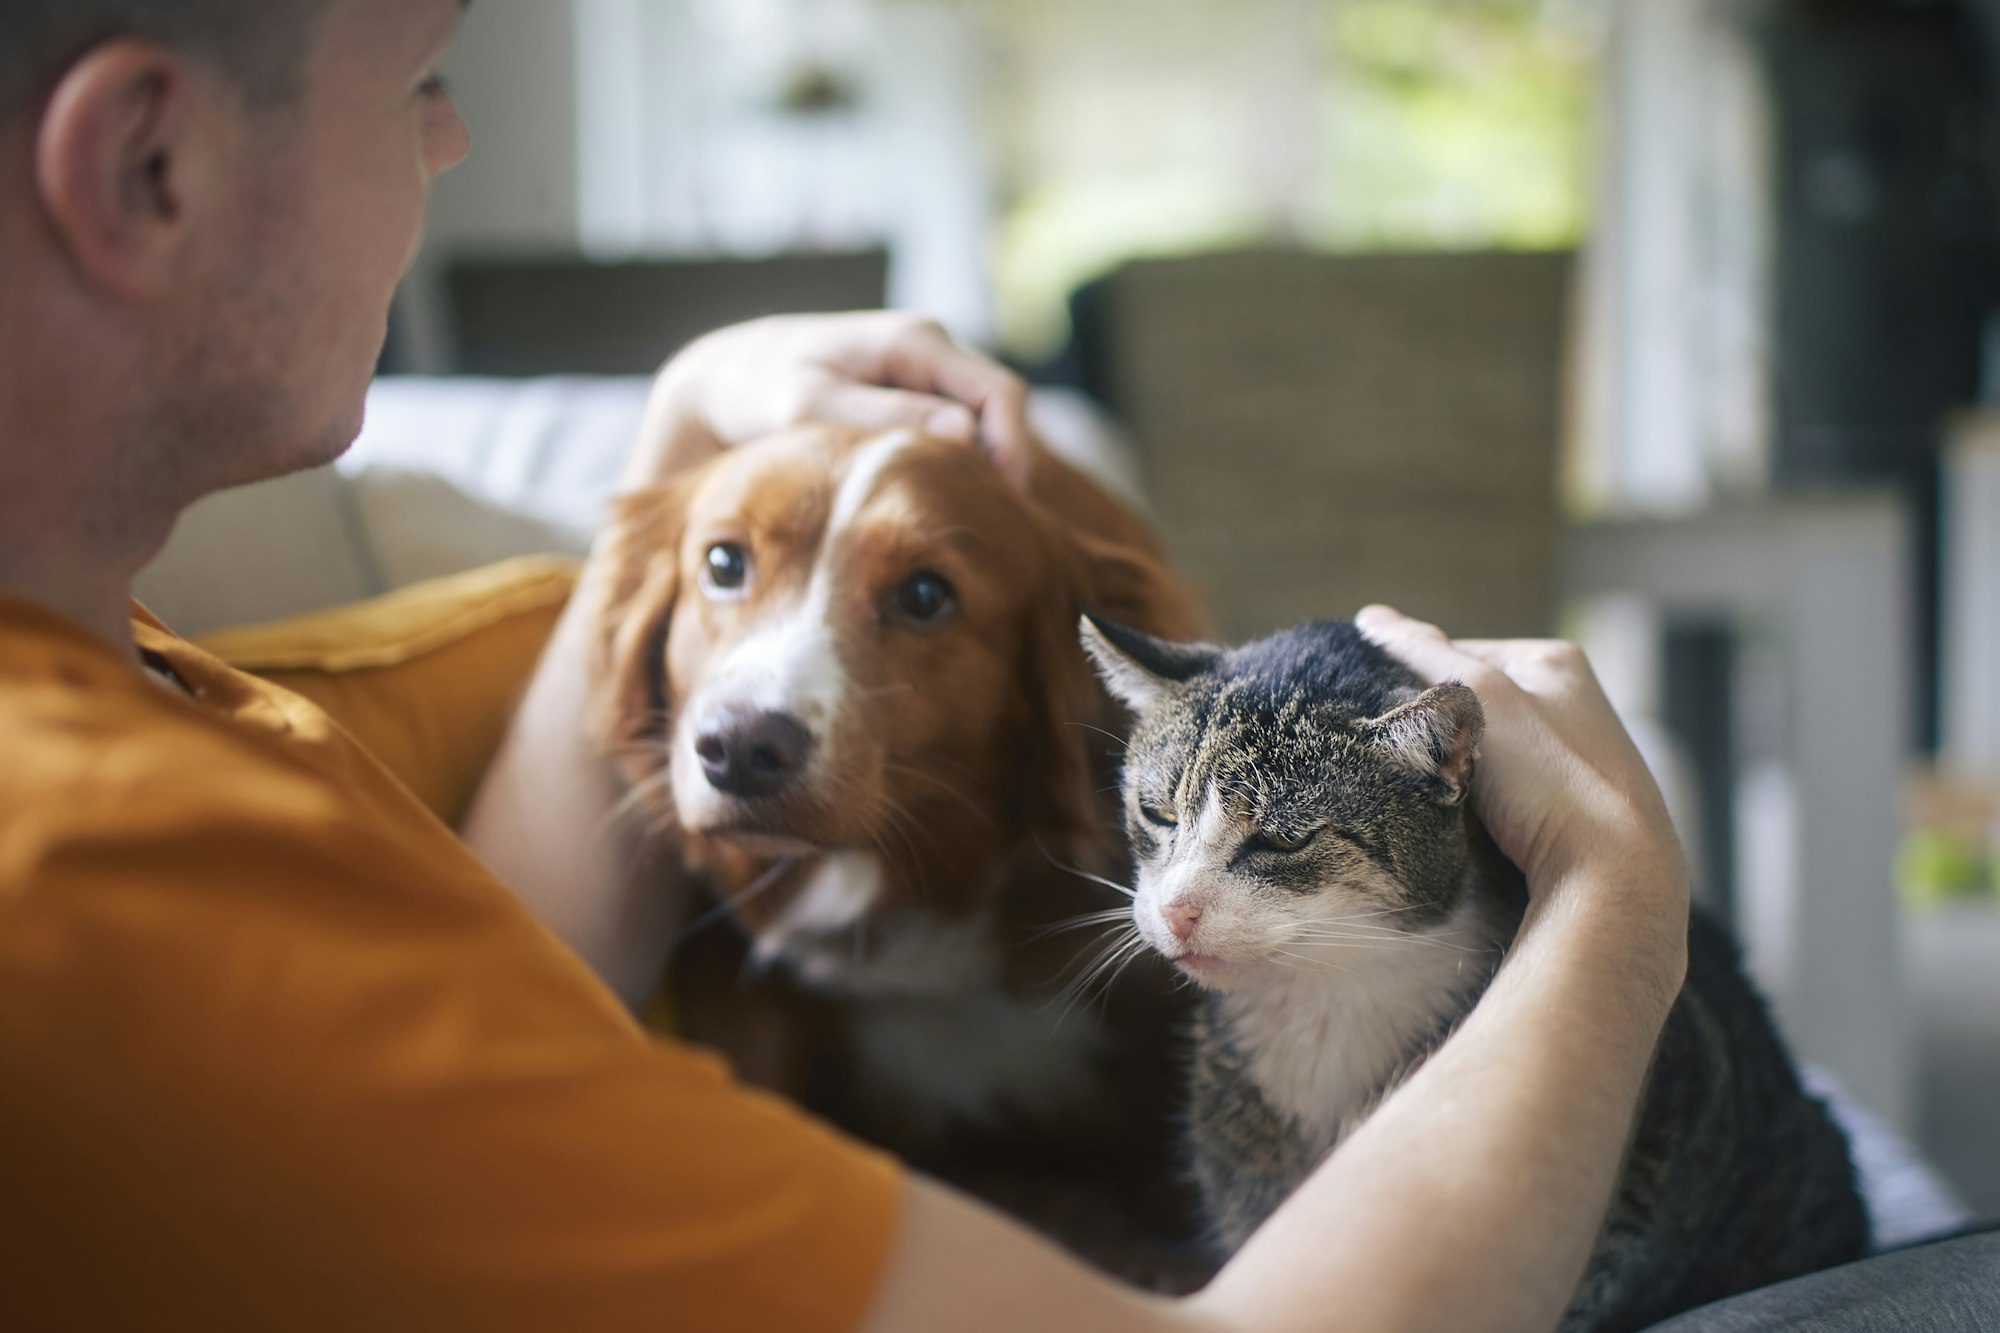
(924, 597)
(1268, 840)
(725, 568)
(1153, 814)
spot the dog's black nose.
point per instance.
(752, 754)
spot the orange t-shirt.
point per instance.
(276, 1051)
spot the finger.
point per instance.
(1547, 668)
(1419, 646)
(870, 408)
(928, 361)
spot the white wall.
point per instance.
(513, 73)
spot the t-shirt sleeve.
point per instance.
(289, 1073)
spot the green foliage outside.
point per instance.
(1458, 124)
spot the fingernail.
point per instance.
(951, 423)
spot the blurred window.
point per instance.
(1008, 150)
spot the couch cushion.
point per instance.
(274, 549)
(426, 677)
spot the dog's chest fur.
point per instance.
(975, 1059)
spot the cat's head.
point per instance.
(1288, 802)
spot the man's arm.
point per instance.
(545, 820)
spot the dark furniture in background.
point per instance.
(566, 315)
(1886, 254)
(1320, 430)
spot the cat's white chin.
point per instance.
(1211, 971)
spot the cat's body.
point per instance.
(1296, 809)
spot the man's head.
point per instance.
(205, 207)
(259, 43)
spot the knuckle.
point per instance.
(799, 399)
(916, 325)
(1488, 682)
(1560, 654)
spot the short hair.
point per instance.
(258, 44)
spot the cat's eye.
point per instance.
(725, 569)
(1269, 840)
(1153, 814)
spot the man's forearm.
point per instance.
(1473, 1198)
(546, 820)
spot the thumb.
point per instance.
(867, 407)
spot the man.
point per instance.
(278, 1051)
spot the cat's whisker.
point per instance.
(1082, 873)
(1364, 936)
(1362, 916)
(1109, 916)
(1122, 743)
(1112, 957)
(1306, 962)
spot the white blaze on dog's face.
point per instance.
(851, 664)
(764, 712)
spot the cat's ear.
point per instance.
(1436, 735)
(1138, 668)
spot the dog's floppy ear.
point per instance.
(1073, 716)
(630, 710)
(1134, 588)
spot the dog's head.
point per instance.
(844, 668)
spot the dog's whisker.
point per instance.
(983, 814)
(884, 692)
(640, 792)
(731, 902)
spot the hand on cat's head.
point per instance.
(1560, 784)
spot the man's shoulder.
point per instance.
(93, 752)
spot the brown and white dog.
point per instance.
(841, 673)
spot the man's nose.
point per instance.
(1182, 914)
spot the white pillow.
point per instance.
(265, 551)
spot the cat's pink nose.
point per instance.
(1182, 913)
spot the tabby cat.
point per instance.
(1305, 853)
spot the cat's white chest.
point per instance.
(1321, 1043)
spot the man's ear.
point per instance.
(1138, 668)
(1435, 735)
(630, 707)
(126, 152)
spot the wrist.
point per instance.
(674, 434)
(1625, 912)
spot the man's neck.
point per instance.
(101, 605)
(74, 533)
(84, 500)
